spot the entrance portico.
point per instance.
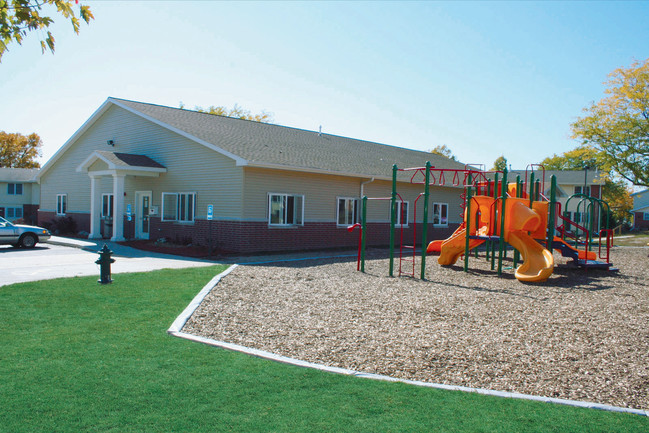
(118, 166)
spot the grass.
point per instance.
(636, 240)
(77, 356)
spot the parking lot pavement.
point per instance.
(48, 261)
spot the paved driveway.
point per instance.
(47, 261)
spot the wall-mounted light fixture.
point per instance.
(111, 143)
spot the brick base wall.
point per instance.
(257, 237)
(639, 222)
(82, 219)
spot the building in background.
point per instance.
(19, 194)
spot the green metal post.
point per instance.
(363, 232)
(393, 216)
(501, 243)
(552, 216)
(468, 223)
(424, 233)
(519, 194)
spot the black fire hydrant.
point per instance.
(104, 262)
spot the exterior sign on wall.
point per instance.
(210, 212)
(128, 212)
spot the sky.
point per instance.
(484, 78)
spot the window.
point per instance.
(14, 212)
(645, 216)
(285, 209)
(178, 206)
(15, 189)
(402, 213)
(347, 211)
(107, 205)
(581, 189)
(440, 214)
(61, 204)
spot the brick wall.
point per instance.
(254, 237)
(639, 221)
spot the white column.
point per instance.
(95, 208)
(118, 211)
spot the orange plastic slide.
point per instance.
(592, 255)
(538, 263)
(453, 247)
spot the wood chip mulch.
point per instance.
(581, 335)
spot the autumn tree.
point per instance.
(443, 150)
(17, 17)
(237, 112)
(19, 151)
(500, 163)
(618, 125)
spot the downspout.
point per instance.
(363, 184)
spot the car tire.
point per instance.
(28, 240)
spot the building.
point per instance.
(569, 184)
(19, 194)
(143, 171)
(641, 210)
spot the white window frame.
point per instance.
(297, 214)
(356, 211)
(61, 204)
(111, 205)
(441, 223)
(645, 216)
(14, 190)
(398, 221)
(180, 215)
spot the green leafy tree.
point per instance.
(19, 151)
(500, 163)
(444, 150)
(236, 112)
(18, 17)
(615, 191)
(618, 125)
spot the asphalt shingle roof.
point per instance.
(22, 175)
(274, 145)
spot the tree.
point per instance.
(236, 112)
(17, 17)
(19, 151)
(445, 151)
(618, 125)
(500, 163)
(615, 191)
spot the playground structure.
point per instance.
(496, 213)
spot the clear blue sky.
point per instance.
(484, 78)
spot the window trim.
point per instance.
(14, 209)
(111, 205)
(61, 204)
(269, 210)
(177, 210)
(398, 221)
(357, 211)
(440, 224)
(12, 188)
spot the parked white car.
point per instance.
(20, 235)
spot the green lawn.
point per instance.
(76, 356)
(636, 240)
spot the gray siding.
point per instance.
(191, 167)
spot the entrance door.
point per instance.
(143, 204)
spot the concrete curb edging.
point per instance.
(180, 321)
